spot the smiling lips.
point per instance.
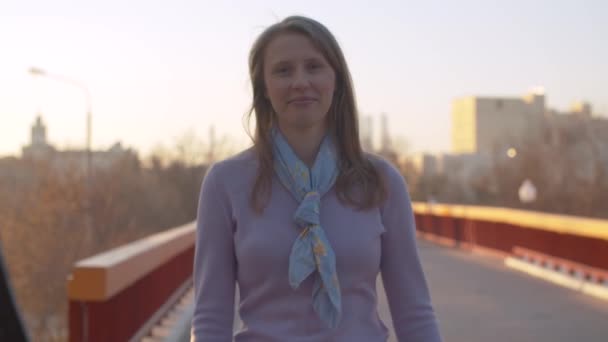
(302, 100)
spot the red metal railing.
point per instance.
(117, 295)
(579, 240)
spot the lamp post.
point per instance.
(88, 168)
(526, 192)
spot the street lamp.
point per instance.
(40, 72)
(512, 152)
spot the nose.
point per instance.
(301, 79)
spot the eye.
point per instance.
(314, 66)
(281, 70)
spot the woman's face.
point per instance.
(299, 82)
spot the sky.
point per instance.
(157, 70)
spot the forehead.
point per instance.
(290, 46)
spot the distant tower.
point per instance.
(385, 136)
(366, 133)
(38, 147)
(38, 133)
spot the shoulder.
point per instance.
(387, 170)
(238, 163)
(235, 171)
(398, 200)
(396, 188)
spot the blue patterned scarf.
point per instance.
(311, 251)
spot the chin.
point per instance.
(305, 124)
(303, 119)
(308, 122)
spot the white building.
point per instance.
(494, 124)
(40, 149)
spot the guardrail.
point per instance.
(121, 294)
(581, 241)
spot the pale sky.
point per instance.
(159, 69)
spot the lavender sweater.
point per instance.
(236, 246)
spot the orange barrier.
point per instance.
(576, 239)
(120, 294)
(116, 295)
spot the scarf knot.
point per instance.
(309, 209)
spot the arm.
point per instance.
(406, 288)
(214, 263)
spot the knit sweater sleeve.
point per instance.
(404, 281)
(214, 262)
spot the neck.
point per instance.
(305, 143)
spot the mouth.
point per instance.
(302, 100)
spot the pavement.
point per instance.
(477, 298)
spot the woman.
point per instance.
(304, 221)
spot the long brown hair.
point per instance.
(358, 183)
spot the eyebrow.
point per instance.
(283, 61)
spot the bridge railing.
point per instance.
(579, 241)
(119, 295)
